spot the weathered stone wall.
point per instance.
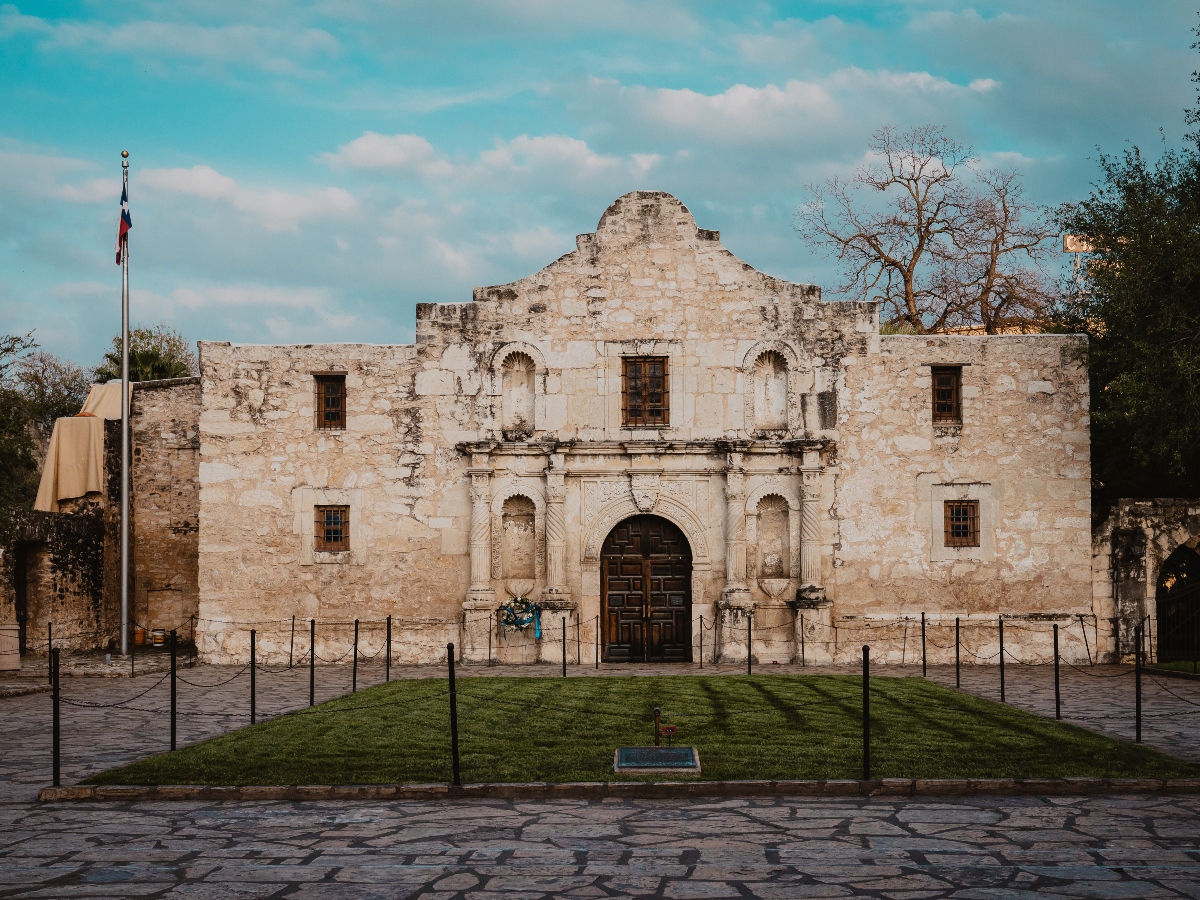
(1128, 553)
(165, 435)
(794, 430)
(1022, 451)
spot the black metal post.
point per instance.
(598, 643)
(1137, 686)
(866, 712)
(802, 640)
(1002, 659)
(491, 628)
(49, 650)
(578, 642)
(252, 673)
(564, 635)
(173, 674)
(312, 662)
(749, 643)
(657, 726)
(354, 665)
(957, 654)
(924, 668)
(457, 779)
(1195, 636)
(702, 642)
(292, 644)
(57, 730)
(1086, 645)
(1057, 695)
(387, 657)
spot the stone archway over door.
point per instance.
(646, 592)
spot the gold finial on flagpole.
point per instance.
(124, 154)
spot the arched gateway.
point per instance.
(646, 592)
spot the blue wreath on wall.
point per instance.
(519, 615)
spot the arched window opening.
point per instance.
(770, 392)
(1178, 602)
(517, 397)
(774, 540)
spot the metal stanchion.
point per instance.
(457, 779)
(292, 643)
(802, 663)
(702, 642)
(749, 644)
(564, 646)
(491, 628)
(866, 711)
(1137, 686)
(354, 664)
(252, 668)
(49, 650)
(387, 657)
(597, 643)
(312, 662)
(173, 675)
(57, 735)
(957, 661)
(1001, 659)
(924, 667)
(1057, 694)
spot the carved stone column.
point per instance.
(480, 604)
(556, 530)
(735, 606)
(810, 527)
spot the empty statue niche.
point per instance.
(773, 538)
(517, 399)
(771, 392)
(518, 546)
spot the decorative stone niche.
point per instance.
(771, 392)
(518, 545)
(517, 397)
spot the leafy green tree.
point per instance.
(154, 353)
(1137, 297)
(51, 387)
(18, 449)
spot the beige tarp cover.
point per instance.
(75, 458)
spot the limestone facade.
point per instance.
(494, 460)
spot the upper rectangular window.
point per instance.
(332, 531)
(331, 401)
(961, 523)
(947, 394)
(645, 392)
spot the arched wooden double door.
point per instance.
(646, 592)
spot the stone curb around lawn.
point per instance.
(654, 790)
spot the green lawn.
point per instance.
(554, 729)
(1175, 666)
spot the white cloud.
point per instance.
(274, 50)
(275, 209)
(405, 152)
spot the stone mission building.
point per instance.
(656, 443)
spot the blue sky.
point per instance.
(310, 171)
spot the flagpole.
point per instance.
(125, 421)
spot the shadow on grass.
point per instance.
(553, 729)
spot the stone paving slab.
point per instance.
(768, 847)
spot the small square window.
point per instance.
(961, 523)
(645, 392)
(947, 394)
(332, 532)
(331, 401)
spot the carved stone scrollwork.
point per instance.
(644, 488)
(481, 529)
(735, 530)
(556, 529)
(810, 524)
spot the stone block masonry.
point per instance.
(565, 438)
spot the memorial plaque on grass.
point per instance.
(657, 759)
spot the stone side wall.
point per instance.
(1022, 451)
(264, 466)
(165, 426)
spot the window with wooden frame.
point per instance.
(331, 401)
(961, 523)
(332, 531)
(645, 392)
(947, 394)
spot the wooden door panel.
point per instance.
(645, 585)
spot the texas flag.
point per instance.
(125, 224)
